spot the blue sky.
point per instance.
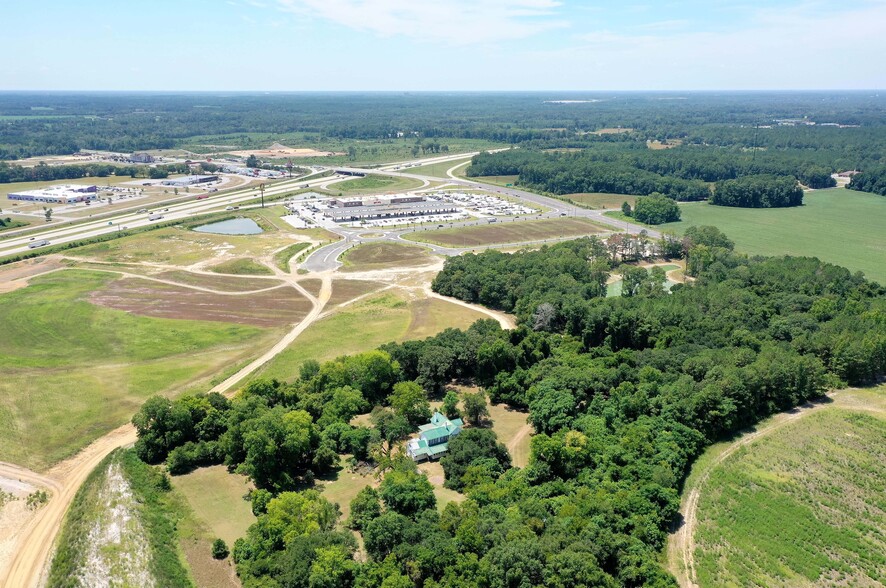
(568, 45)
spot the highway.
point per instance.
(324, 258)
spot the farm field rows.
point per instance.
(504, 232)
(803, 505)
(839, 226)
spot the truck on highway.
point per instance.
(491, 220)
(154, 217)
(36, 244)
(202, 196)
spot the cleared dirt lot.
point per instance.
(278, 151)
(271, 308)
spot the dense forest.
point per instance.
(871, 180)
(762, 191)
(623, 394)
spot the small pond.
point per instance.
(235, 226)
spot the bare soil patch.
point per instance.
(220, 283)
(15, 275)
(281, 306)
(278, 151)
(209, 572)
(312, 285)
(347, 290)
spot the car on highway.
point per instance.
(141, 211)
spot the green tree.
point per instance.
(476, 409)
(450, 405)
(252, 161)
(365, 507)
(219, 549)
(656, 209)
(410, 401)
(405, 490)
(469, 448)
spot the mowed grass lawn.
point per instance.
(438, 170)
(73, 371)
(509, 232)
(839, 226)
(373, 184)
(216, 497)
(365, 325)
(601, 200)
(804, 505)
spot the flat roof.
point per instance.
(389, 209)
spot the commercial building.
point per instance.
(141, 158)
(433, 438)
(60, 194)
(356, 213)
(189, 180)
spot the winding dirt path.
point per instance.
(35, 540)
(525, 431)
(681, 543)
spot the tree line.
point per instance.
(623, 394)
(871, 180)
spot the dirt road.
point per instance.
(35, 540)
(681, 543)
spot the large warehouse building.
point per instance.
(61, 194)
(356, 213)
(189, 180)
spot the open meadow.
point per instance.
(74, 370)
(600, 200)
(804, 505)
(839, 226)
(509, 232)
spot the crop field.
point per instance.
(271, 308)
(600, 200)
(373, 256)
(216, 497)
(840, 226)
(242, 266)
(74, 370)
(804, 505)
(438, 170)
(373, 184)
(512, 232)
(182, 247)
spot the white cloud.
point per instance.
(458, 22)
(800, 47)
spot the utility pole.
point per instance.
(261, 188)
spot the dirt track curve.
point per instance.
(35, 540)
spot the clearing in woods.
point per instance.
(839, 226)
(800, 501)
(510, 232)
(217, 498)
(74, 370)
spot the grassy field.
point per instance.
(181, 246)
(365, 325)
(804, 505)
(376, 185)
(8, 223)
(840, 226)
(438, 170)
(507, 424)
(497, 180)
(509, 232)
(343, 486)
(241, 267)
(600, 200)
(73, 370)
(220, 283)
(346, 290)
(373, 256)
(216, 497)
(282, 257)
